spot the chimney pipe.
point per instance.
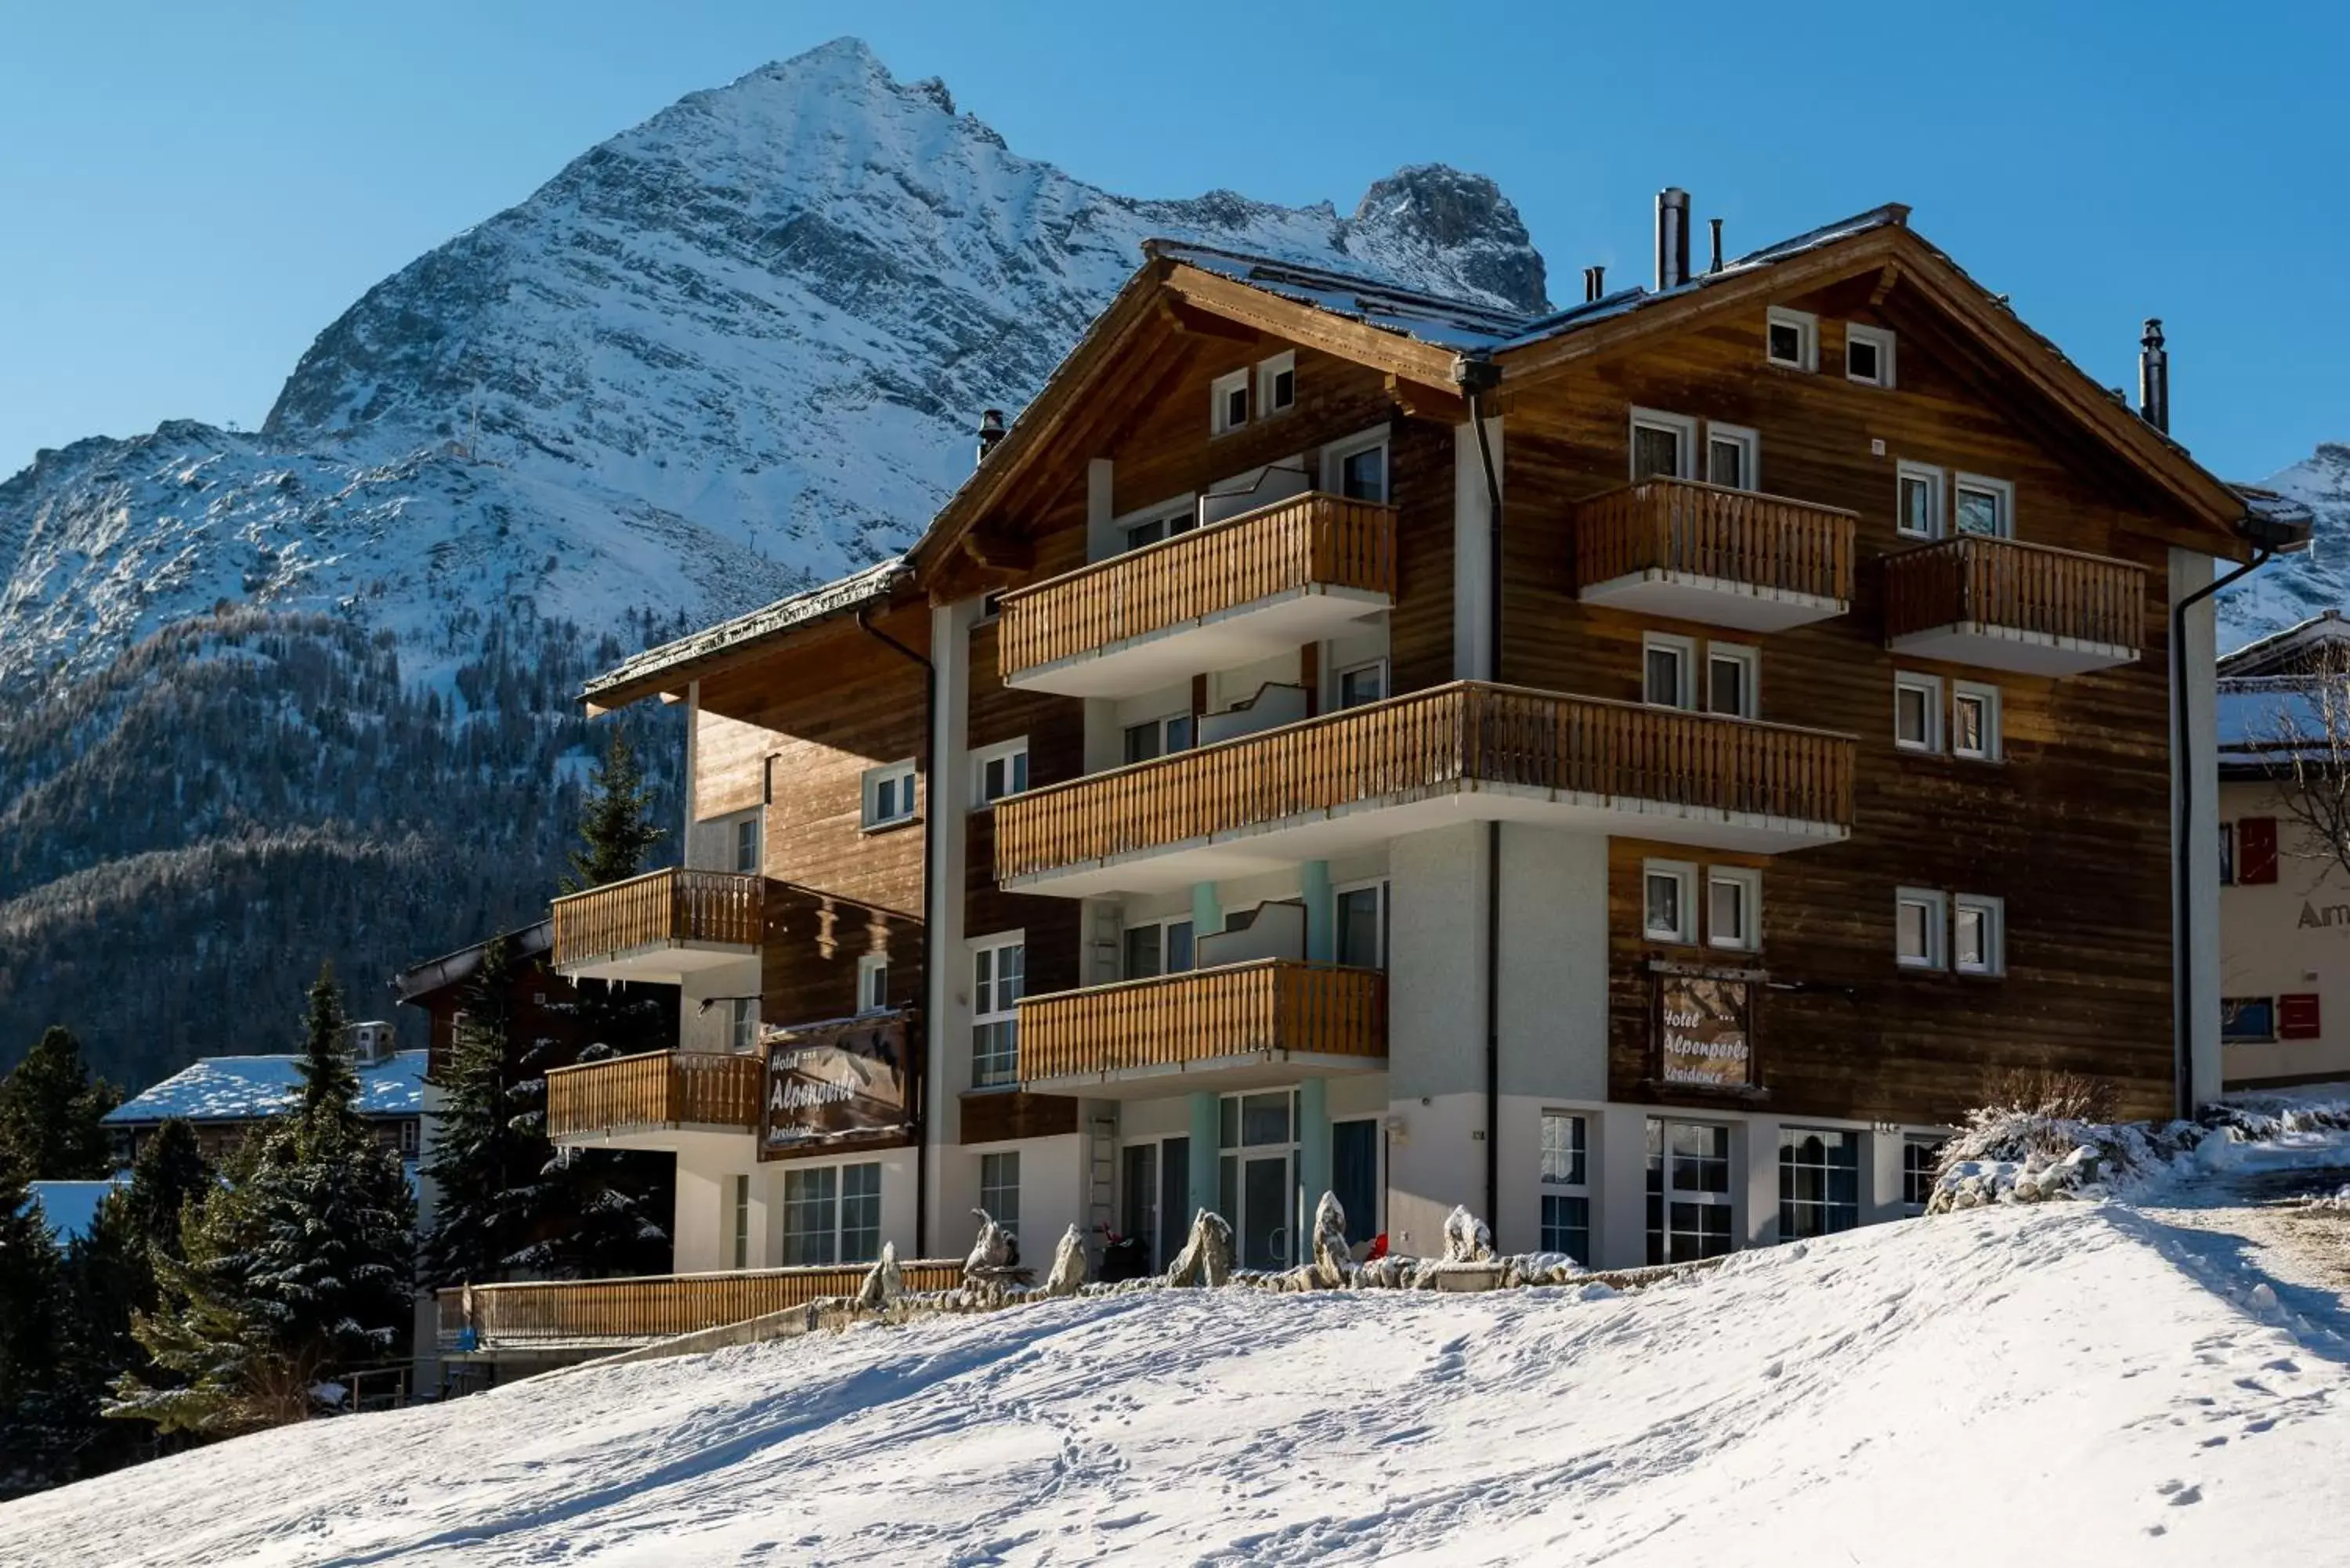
(1672, 238)
(990, 431)
(2154, 377)
(1594, 282)
(1717, 244)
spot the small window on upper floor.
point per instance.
(1791, 339)
(1664, 446)
(1158, 737)
(1359, 685)
(1984, 505)
(1980, 925)
(1162, 525)
(1917, 711)
(1730, 455)
(1868, 354)
(1227, 403)
(1276, 384)
(1918, 502)
(890, 795)
(1357, 469)
(1669, 902)
(746, 844)
(1974, 721)
(1668, 670)
(873, 982)
(1731, 678)
(998, 771)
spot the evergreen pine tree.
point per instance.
(170, 1174)
(616, 828)
(50, 1110)
(486, 1171)
(40, 1426)
(330, 1082)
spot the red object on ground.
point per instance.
(1378, 1246)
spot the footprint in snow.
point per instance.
(2180, 1493)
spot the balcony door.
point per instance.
(1257, 1177)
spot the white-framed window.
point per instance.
(999, 969)
(1162, 523)
(1981, 505)
(1357, 468)
(742, 1222)
(873, 982)
(741, 1024)
(832, 1214)
(1979, 936)
(1819, 1181)
(1919, 917)
(1664, 446)
(1359, 685)
(1566, 1185)
(1668, 670)
(1361, 913)
(999, 770)
(1868, 354)
(1917, 711)
(1974, 720)
(1733, 909)
(1158, 737)
(1791, 339)
(1733, 456)
(1690, 1208)
(1918, 501)
(1153, 948)
(1669, 902)
(746, 844)
(1227, 403)
(889, 793)
(999, 1187)
(1276, 384)
(1920, 1156)
(1733, 679)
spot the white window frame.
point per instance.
(1749, 883)
(1685, 648)
(1684, 873)
(1807, 339)
(1937, 484)
(1338, 682)
(1335, 454)
(1220, 390)
(1994, 914)
(1002, 1161)
(1976, 691)
(1683, 426)
(873, 982)
(1386, 907)
(2003, 489)
(1750, 661)
(1880, 339)
(755, 839)
(1160, 725)
(1165, 514)
(1268, 372)
(741, 1024)
(1937, 927)
(1161, 924)
(1009, 752)
(985, 1013)
(909, 790)
(1750, 459)
(740, 1219)
(1564, 1183)
(1931, 687)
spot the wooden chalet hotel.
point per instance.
(1640, 772)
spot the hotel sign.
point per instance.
(841, 1084)
(1705, 1028)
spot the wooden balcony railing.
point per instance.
(1682, 526)
(1307, 541)
(559, 1312)
(660, 909)
(1272, 1004)
(658, 1089)
(1441, 741)
(1975, 581)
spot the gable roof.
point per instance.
(2288, 652)
(254, 1089)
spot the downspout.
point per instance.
(1477, 376)
(919, 1090)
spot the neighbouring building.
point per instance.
(2284, 896)
(1642, 771)
(541, 1003)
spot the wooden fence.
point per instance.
(1681, 526)
(655, 1307)
(1271, 1004)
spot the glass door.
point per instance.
(1265, 1211)
(1355, 1175)
(1174, 1199)
(1137, 1217)
(1689, 1208)
(1256, 1177)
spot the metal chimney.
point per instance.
(1672, 238)
(1717, 244)
(990, 431)
(1595, 283)
(2154, 377)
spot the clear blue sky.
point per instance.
(188, 193)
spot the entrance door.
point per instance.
(1174, 1199)
(1139, 1215)
(1257, 1176)
(1688, 1190)
(1265, 1211)
(1355, 1175)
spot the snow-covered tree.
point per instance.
(40, 1420)
(331, 1080)
(50, 1109)
(488, 1172)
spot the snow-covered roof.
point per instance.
(250, 1088)
(69, 1207)
(2281, 650)
(847, 593)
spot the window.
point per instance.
(742, 1227)
(1158, 737)
(1729, 452)
(1359, 685)
(1669, 895)
(1733, 909)
(412, 1138)
(1917, 711)
(1974, 721)
(1977, 923)
(1362, 919)
(1163, 525)
(1793, 338)
(1276, 383)
(746, 845)
(832, 1214)
(890, 795)
(1227, 403)
(1917, 927)
(1819, 1182)
(998, 971)
(2247, 1018)
(873, 983)
(1565, 1186)
(860, 1212)
(1668, 670)
(1357, 469)
(999, 1189)
(1161, 947)
(1919, 511)
(2256, 851)
(2227, 858)
(1730, 678)
(1984, 505)
(741, 1024)
(999, 770)
(1868, 354)
(1663, 446)
(1920, 1157)
(1690, 1205)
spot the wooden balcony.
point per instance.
(1464, 752)
(1726, 557)
(661, 926)
(553, 1315)
(660, 1091)
(2005, 605)
(1242, 589)
(1235, 1027)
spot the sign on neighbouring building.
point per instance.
(1705, 1027)
(837, 1084)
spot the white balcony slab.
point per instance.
(2009, 648)
(1713, 601)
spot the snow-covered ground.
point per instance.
(2073, 1382)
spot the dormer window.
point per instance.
(1868, 354)
(1792, 339)
(1276, 384)
(1227, 403)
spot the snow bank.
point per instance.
(2016, 1154)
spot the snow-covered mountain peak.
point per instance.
(2290, 591)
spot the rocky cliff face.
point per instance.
(735, 350)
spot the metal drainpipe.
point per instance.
(919, 1089)
(1478, 375)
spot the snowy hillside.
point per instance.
(2287, 592)
(2059, 1385)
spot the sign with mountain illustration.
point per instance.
(845, 1083)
